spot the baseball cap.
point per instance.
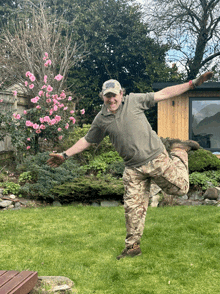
(111, 86)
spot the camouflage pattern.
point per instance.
(170, 173)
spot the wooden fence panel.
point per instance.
(19, 104)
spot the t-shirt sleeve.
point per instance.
(95, 134)
(145, 100)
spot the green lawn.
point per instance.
(180, 248)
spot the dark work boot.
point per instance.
(187, 145)
(132, 251)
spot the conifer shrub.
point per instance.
(44, 177)
(89, 188)
(203, 160)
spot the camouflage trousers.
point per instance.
(170, 173)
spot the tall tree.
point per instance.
(119, 47)
(23, 46)
(191, 27)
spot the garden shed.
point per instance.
(19, 103)
(194, 115)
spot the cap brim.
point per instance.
(111, 90)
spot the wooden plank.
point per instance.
(26, 286)
(14, 282)
(6, 277)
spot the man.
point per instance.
(145, 157)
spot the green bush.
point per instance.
(44, 177)
(204, 179)
(203, 160)
(101, 162)
(88, 155)
(90, 188)
(11, 187)
(116, 168)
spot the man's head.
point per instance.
(112, 94)
(111, 86)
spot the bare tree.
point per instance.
(191, 28)
(23, 45)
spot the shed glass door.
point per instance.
(205, 122)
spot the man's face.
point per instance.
(113, 101)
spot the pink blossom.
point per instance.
(41, 93)
(16, 116)
(29, 123)
(1, 100)
(47, 119)
(47, 95)
(15, 93)
(63, 95)
(55, 108)
(42, 127)
(28, 147)
(35, 126)
(65, 108)
(28, 73)
(58, 77)
(26, 83)
(45, 79)
(58, 118)
(59, 129)
(41, 119)
(67, 126)
(38, 107)
(53, 121)
(73, 119)
(31, 86)
(35, 100)
(43, 87)
(46, 54)
(25, 111)
(70, 98)
(51, 111)
(48, 100)
(32, 77)
(49, 89)
(55, 96)
(28, 139)
(61, 105)
(48, 62)
(72, 111)
(38, 131)
(82, 111)
(60, 137)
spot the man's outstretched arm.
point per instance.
(58, 158)
(177, 90)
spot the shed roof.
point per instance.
(208, 86)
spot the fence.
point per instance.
(17, 103)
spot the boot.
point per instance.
(131, 251)
(187, 145)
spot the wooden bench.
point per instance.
(14, 282)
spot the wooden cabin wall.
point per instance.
(173, 117)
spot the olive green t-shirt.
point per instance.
(128, 130)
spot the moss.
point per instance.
(203, 160)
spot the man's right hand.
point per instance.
(56, 159)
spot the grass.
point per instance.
(180, 248)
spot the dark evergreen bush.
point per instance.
(203, 160)
(89, 188)
(44, 177)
